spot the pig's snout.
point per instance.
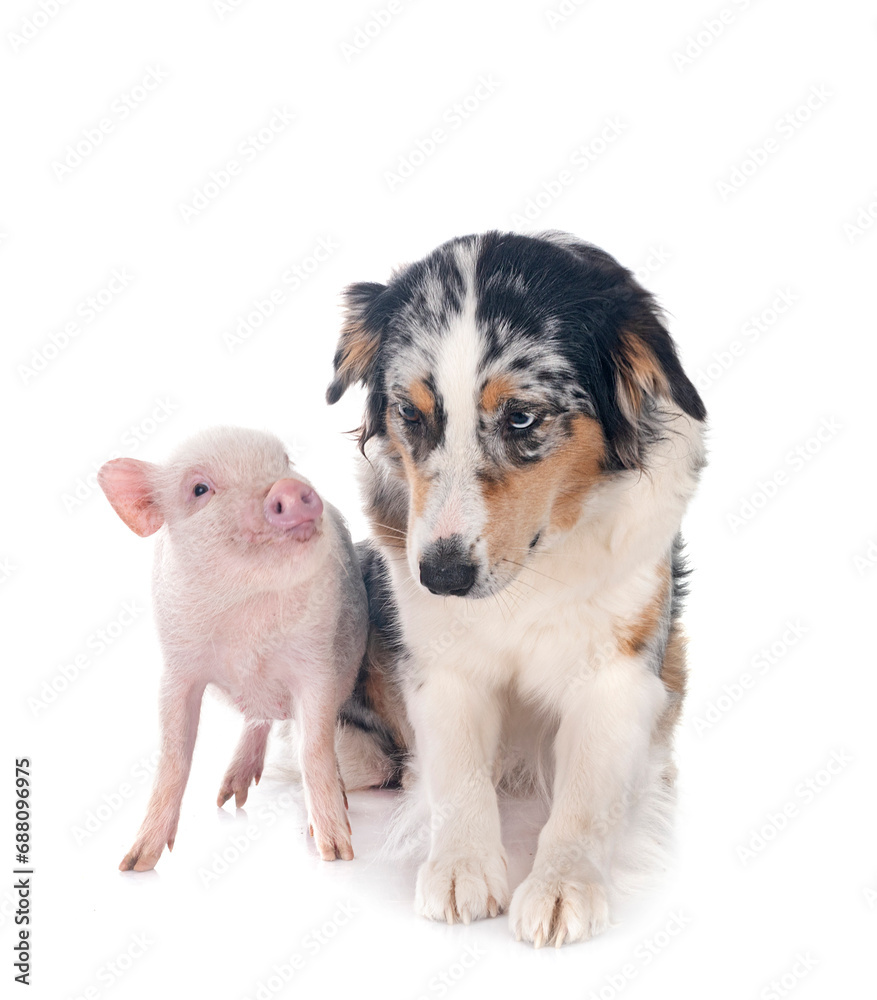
(293, 505)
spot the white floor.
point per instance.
(243, 905)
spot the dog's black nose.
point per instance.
(445, 568)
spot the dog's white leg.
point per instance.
(457, 727)
(601, 757)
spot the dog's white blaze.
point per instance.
(455, 505)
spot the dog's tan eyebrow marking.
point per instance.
(421, 396)
(495, 391)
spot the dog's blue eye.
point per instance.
(201, 489)
(409, 413)
(521, 421)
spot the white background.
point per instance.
(660, 196)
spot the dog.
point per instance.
(531, 443)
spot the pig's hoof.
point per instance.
(140, 859)
(237, 785)
(334, 845)
(225, 793)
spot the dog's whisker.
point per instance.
(500, 606)
(531, 570)
(525, 583)
(390, 527)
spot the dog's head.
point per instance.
(508, 376)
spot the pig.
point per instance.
(257, 592)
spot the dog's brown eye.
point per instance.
(520, 421)
(409, 413)
(200, 489)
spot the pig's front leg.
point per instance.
(246, 765)
(324, 796)
(180, 709)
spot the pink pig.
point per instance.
(257, 591)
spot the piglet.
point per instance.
(257, 591)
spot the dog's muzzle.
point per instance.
(446, 568)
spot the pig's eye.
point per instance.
(200, 490)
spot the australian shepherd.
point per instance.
(531, 443)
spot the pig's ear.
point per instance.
(364, 321)
(128, 485)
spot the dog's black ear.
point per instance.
(360, 338)
(647, 368)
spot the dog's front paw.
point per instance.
(558, 910)
(462, 888)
